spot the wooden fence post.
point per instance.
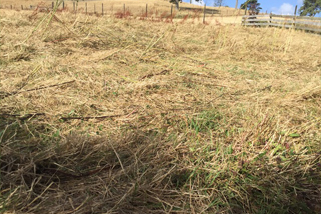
(294, 19)
(171, 10)
(86, 7)
(204, 14)
(94, 8)
(102, 9)
(73, 4)
(52, 5)
(11, 7)
(124, 8)
(63, 5)
(270, 19)
(146, 9)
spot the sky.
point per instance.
(282, 7)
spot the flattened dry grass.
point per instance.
(106, 115)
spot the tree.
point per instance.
(252, 5)
(310, 8)
(218, 3)
(176, 2)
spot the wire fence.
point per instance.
(138, 9)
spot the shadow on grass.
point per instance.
(138, 171)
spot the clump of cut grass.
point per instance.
(131, 116)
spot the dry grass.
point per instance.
(107, 115)
(136, 8)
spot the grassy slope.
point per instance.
(155, 8)
(136, 7)
(200, 118)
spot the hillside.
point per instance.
(122, 115)
(136, 7)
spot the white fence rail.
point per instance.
(296, 22)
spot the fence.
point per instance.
(108, 8)
(296, 22)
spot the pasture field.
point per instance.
(155, 8)
(121, 115)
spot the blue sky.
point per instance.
(284, 7)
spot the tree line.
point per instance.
(309, 7)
